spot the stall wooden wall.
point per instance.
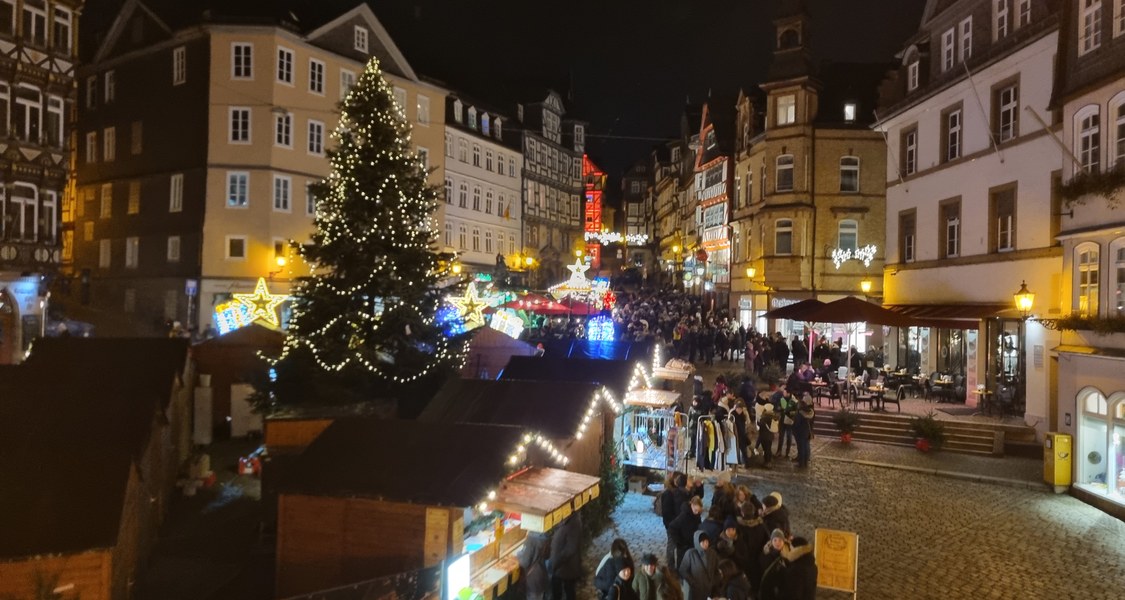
(293, 435)
(88, 572)
(324, 542)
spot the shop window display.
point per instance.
(1101, 444)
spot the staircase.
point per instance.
(986, 439)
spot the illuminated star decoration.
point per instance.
(577, 285)
(470, 307)
(262, 304)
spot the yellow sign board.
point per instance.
(837, 559)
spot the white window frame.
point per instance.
(105, 254)
(953, 137)
(1087, 278)
(32, 110)
(849, 164)
(999, 19)
(173, 251)
(316, 76)
(476, 155)
(948, 49)
(1117, 268)
(240, 199)
(176, 193)
(463, 195)
(489, 197)
(310, 201)
(179, 65)
(282, 193)
(285, 65)
(347, 81)
(132, 252)
(462, 236)
(401, 98)
(1089, 26)
(849, 228)
(448, 145)
(780, 227)
(448, 190)
(1008, 113)
(109, 144)
(1023, 13)
(966, 46)
(64, 24)
(849, 112)
(242, 61)
(91, 147)
(778, 168)
(1118, 17)
(359, 38)
(953, 236)
(238, 131)
(54, 136)
(1087, 137)
(226, 247)
(476, 239)
(476, 198)
(1116, 126)
(786, 107)
(28, 204)
(39, 17)
(316, 138)
(109, 85)
(283, 130)
(423, 108)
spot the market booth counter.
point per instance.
(649, 429)
(370, 498)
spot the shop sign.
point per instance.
(836, 554)
(746, 303)
(865, 254)
(781, 302)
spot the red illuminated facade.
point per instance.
(594, 181)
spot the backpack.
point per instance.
(657, 504)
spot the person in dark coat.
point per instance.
(713, 524)
(754, 535)
(742, 420)
(565, 565)
(774, 514)
(802, 432)
(767, 425)
(733, 582)
(800, 570)
(622, 586)
(606, 572)
(800, 352)
(773, 567)
(699, 569)
(670, 498)
(731, 545)
(682, 529)
(533, 566)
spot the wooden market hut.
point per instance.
(227, 365)
(370, 498)
(490, 351)
(614, 374)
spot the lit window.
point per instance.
(104, 251)
(786, 109)
(134, 205)
(1117, 111)
(423, 106)
(109, 144)
(110, 86)
(173, 248)
(132, 252)
(176, 193)
(849, 112)
(1119, 291)
(849, 174)
(238, 190)
(1086, 273)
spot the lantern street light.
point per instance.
(865, 286)
(1025, 299)
(281, 262)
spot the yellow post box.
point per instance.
(1057, 461)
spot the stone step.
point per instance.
(894, 430)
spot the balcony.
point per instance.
(713, 191)
(28, 256)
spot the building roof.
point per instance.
(614, 374)
(842, 83)
(551, 407)
(438, 464)
(74, 418)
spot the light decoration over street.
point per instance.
(600, 329)
(230, 316)
(865, 254)
(579, 287)
(506, 322)
(470, 306)
(613, 237)
(262, 305)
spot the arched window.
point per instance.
(1117, 128)
(1086, 278)
(476, 155)
(485, 124)
(783, 237)
(1117, 264)
(784, 173)
(848, 235)
(1088, 136)
(462, 241)
(849, 174)
(790, 38)
(476, 198)
(476, 239)
(463, 195)
(488, 196)
(448, 233)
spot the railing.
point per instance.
(17, 253)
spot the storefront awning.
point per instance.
(951, 316)
(545, 497)
(651, 398)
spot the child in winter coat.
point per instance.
(800, 570)
(606, 572)
(699, 569)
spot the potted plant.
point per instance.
(929, 432)
(847, 421)
(772, 374)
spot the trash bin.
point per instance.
(1057, 461)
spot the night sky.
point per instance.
(628, 66)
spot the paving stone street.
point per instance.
(928, 536)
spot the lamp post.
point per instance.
(280, 262)
(1024, 300)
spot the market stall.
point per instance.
(650, 432)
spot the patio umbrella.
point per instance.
(854, 310)
(577, 307)
(796, 311)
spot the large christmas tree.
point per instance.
(363, 325)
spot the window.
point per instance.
(448, 145)
(88, 231)
(948, 50)
(950, 234)
(360, 39)
(849, 112)
(749, 188)
(786, 107)
(488, 197)
(448, 191)
(23, 212)
(132, 251)
(316, 137)
(910, 151)
(238, 189)
(476, 155)
(912, 76)
(462, 237)
(61, 34)
(1089, 138)
(966, 39)
(463, 195)
(1117, 113)
(109, 144)
(1024, 8)
(907, 226)
(179, 65)
(134, 205)
(285, 65)
(92, 147)
(316, 76)
(28, 116)
(1086, 274)
(579, 135)
(8, 17)
(1119, 269)
(136, 137)
(283, 130)
(423, 106)
(476, 198)
(462, 150)
(1118, 17)
(1002, 209)
(91, 91)
(848, 235)
(239, 125)
(951, 138)
(500, 164)
(173, 248)
(448, 234)
(1006, 102)
(424, 156)
(5, 105)
(282, 191)
(785, 173)
(457, 111)
(347, 81)
(498, 131)
(176, 193)
(999, 19)
(104, 250)
(242, 61)
(488, 160)
(34, 25)
(511, 167)
(310, 201)
(400, 100)
(488, 241)
(236, 247)
(849, 174)
(110, 86)
(476, 239)
(783, 237)
(485, 124)
(106, 209)
(1090, 26)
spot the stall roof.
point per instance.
(651, 398)
(544, 496)
(614, 374)
(447, 464)
(551, 407)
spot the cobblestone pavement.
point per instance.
(922, 536)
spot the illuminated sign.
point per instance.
(230, 316)
(866, 254)
(613, 237)
(600, 329)
(507, 323)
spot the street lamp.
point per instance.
(865, 286)
(456, 268)
(1024, 300)
(280, 261)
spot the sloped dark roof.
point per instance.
(614, 374)
(850, 82)
(73, 419)
(552, 407)
(439, 464)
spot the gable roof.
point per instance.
(390, 57)
(551, 407)
(438, 464)
(614, 374)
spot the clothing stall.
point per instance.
(650, 432)
(717, 443)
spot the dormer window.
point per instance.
(496, 125)
(361, 39)
(912, 76)
(849, 112)
(457, 111)
(472, 118)
(579, 136)
(485, 124)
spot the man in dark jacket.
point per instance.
(532, 558)
(774, 515)
(802, 432)
(800, 570)
(565, 565)
(699, 569)
(682, 529)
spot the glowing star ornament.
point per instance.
(470, 306)
(262, 305)
(578, 270)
